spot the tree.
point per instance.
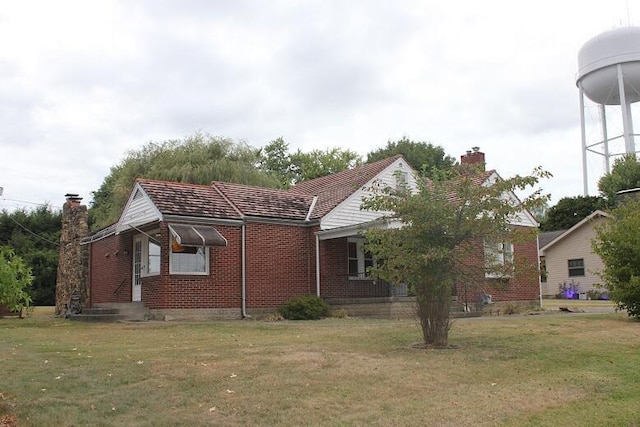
(15, 279)
(624, 175)
(317, 163)
(444, 225)
(571, 210)
(34, 235)
(197, 159)
(290, 169)
(617, 242)
(274, 158)
(423, 156)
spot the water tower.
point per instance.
(609, 75)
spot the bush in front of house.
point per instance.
(306, 307)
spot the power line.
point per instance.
(31, 203)
(34, 233)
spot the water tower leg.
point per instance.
(629, 144)
(605, 137)
(584, 143)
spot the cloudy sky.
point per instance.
(82, 82)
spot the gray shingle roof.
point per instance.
(333, 189)
(176, 198)
(232, 201)
(266, 202)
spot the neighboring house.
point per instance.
(569, 259)
(228, 250)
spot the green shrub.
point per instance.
(592, 294)
(306, 307)
(511, 308)
(339, 314)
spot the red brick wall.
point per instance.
(280, 263)
(334, 268)
(221, 288)
(110, 269)
(334, 277)
(522, 286)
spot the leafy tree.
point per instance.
(571, 210)
(317, 163)
(624, 175)
(617, 242)
(34, 236)
(15, 279)
(444, 225)
(197, 159)
(423, 156)
(276, 160)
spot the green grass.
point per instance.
(546, 370)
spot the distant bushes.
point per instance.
(306, 307)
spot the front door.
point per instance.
(136, 283)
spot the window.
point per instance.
(576, 267)
(188, 259)
(359, 259)
(402, 180)
(153, 257)
(149, 253)
(497, 256)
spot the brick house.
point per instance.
(229, 251)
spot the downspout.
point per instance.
(243, 250)
(317, 265)
(245, 315)
(539, 271)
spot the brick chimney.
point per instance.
(472, 157)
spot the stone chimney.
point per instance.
(472, 157)
(73, 257)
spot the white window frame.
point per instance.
(361, 257)
(502, 253)
(146, 241)
(204, 250)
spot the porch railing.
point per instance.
(365, 286)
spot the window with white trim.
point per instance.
(188, 259)
(359, 260)
(150, 253)
(498, 256)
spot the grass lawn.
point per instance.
(544, 370)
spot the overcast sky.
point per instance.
(83, 82)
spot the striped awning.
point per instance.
(197, 235)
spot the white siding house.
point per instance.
(570, 260)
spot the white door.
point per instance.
(136, 287)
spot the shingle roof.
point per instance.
(266, 202)
(547, 236)
(175, 198)
(333, 189)
(227, 200)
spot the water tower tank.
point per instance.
(598, 63)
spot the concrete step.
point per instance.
(82, 317)
(114, 312)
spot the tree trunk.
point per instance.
(434, 302)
